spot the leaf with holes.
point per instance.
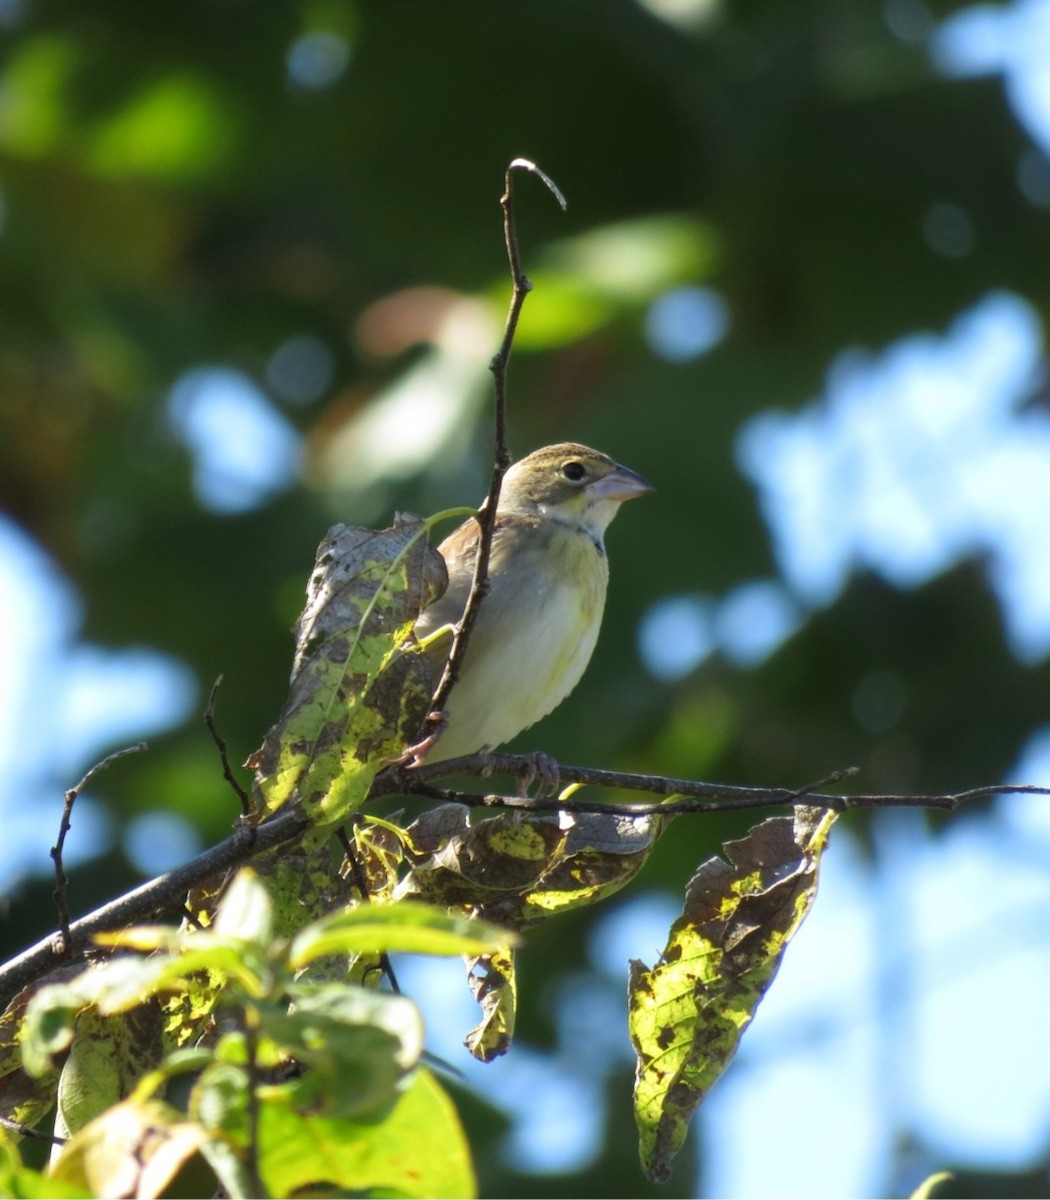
(688, 1013)
(359, 688)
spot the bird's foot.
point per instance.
(415, 756)
(542, 767)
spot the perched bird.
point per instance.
(538, 624)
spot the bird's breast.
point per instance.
(535, 633)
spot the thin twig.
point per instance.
(709, 798)
(412, 781)
(361, 883)
(64, 946)
(167, 893)
(486, 516)
(22, 1130)
(220, 744)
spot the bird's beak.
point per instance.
(621, 484)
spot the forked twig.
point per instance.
(63, 945)
(220, 745)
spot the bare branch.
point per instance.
(166, 893)
(220, 745)
(22, 1130)
(63, 946)
(685, 795)
(486, 516)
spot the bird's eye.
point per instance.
(573, 470)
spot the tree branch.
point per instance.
(696, 796)
(159, 895)
(167, 892)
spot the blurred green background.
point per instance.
(251, 275)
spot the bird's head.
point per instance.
(572, 484)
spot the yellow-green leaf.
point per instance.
(929, 1186)
(418, 1148)
(358, 693)
(493, 981)
(108, 1056)
(19, 1180)
(688, 1013)
(518, 872)
(407, 927)
(24, 1098)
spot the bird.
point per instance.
(537, 625)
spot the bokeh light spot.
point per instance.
(157, 841)
(686, 322)
(300, 370)
(244, 451)
(948, 230)
(675, 636)
(754, 619)
(317, 60)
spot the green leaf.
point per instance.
(351, 1007)
(406, 927)
(358, 693)
(354, 1044)
(108, 1056)
(22, 1183)
(417, 1148)
(688, 1013)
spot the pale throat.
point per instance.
(592, 521)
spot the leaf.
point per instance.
(108, 1056)
(303, 885)
(517, 871)
(407, 927)
(602, 853)
(688, 1013)
(126, 983)
(132, 1149)
(245, 910)
(23, 1097)
(417, 1148)
(353, 1046)
(18, 1180)
(358, 693)
(930, 1184)
(493, 981)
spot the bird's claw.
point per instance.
(542, 767)
(415, 756)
